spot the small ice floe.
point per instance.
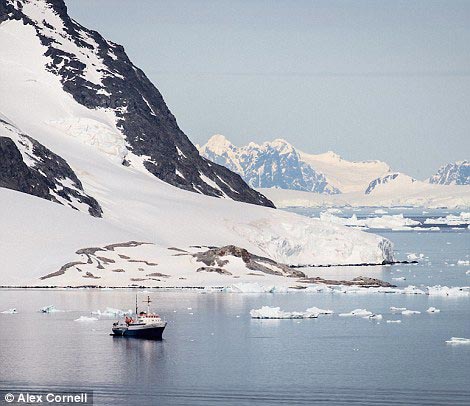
(401, 278)
(49, 309)
(467, 273)
(374, 317)
(433, 310)
(439, 290)
(397, 309)
(318, 310)
(357, 313)
(393, 321)
(414, 257)
(461, 262)
(458, 341)
(9, 311)
(86, 319)
(111, 312)
(268, 312)
(410, 312)
(413, 290)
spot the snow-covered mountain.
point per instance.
(275, 164)
(347, 176)
(98, 75)
(278, 164)
(391, 182)
(456, 173)
(284, 174)
(28, 166)
(82, 126)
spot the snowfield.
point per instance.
(38, 237)
(416, 194)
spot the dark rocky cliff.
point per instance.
(143, 117)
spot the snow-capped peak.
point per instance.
(456, 173)
(273, 164)
(218, 144)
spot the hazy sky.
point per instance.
(386, 80)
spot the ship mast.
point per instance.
(148, 301)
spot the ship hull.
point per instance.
(150, 333)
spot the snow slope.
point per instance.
(38, 236)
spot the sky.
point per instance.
(387, 80)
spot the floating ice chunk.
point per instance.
(413, 256)
(111, 312)
(49, 309)
(9, 311)
(86, 319)
(357, 313)
(397, 309)
(439, 290)
(467, 273)
(393, 321)
(401, 278)
(461, 262)
(318, 311)
(433, 310)
(374, 317)
(268, 312)
(413, 290)
(410, 312)
(458, 341)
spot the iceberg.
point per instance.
(410, 312)
(318, 310)
(450, 220)
(111, 312)
(267, 312)
(396, 221)
(393, 321)
(439, 290)
(397, 309)
(458, 341)
(463, 263)
(357, 313)
(433, 310)
(374, 317)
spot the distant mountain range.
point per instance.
(457, 173)
(278, 164)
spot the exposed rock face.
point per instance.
(29, 167)
(217, 257)
(272, 164)
(457, 173)
(97, 73)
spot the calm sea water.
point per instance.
(213, 353)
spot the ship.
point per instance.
(143, 325)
